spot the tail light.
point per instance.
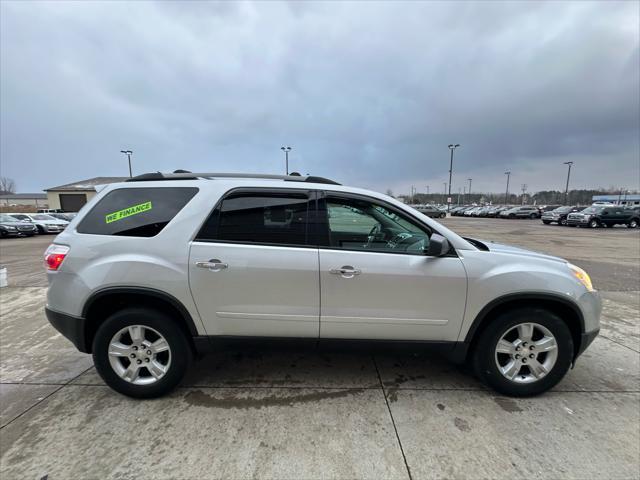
(54, 256)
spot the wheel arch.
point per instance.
(568, 311)
(104, 302)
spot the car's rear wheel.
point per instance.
(563, 221)
(633, 223)
(524, 352)
(546, 222)
(532, 216)
(593, 224)
(141, 352)
(41, 230)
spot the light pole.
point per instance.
(524, 191)
(444, 197)
(286, 151)
(469, 192)
(566, 189)
(506, 195)
(452, 147)
(128, 153)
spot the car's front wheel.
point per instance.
(633, 223)
(141, 352)
(524, 352)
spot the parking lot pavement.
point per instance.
(265, 413)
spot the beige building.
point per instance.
(36, 200)
(72, 196)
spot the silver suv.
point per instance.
(165, 267)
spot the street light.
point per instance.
(566, 189)
(128, 153)
(445, 192)
(286, 151)
(452, 147)
(506, 195)
(469, 192)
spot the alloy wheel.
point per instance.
(526, 353)
(139, 355)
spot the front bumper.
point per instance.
(586, 339)
(577, 221)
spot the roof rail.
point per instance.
(184, 175)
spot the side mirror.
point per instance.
(438, 246)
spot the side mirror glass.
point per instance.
(438, 246)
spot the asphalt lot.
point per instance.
(259, 413)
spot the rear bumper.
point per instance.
(73, 328)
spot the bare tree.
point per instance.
(389, 192)
(7, 185)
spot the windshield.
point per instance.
(562, 209)
(592, 210)
(43, 217)
(7, 218)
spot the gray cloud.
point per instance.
(367, 93)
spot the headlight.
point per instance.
(582, 276)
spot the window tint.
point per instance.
(136, 212)
(361, 225)
(263, 218)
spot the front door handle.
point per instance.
(347, 271)
(214, 265)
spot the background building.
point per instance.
(619, 199)
(72, 196)
(36, 200)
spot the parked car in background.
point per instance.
(67, 217)
(11, 227)
(601, 216)
(559, 215)
(469, 211)
(49, 210)
(523, 211)
(548, 208)
(43, 222)
(431, 211)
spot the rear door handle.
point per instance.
(347, 271)
(214, 265)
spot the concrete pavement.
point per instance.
(263, 413)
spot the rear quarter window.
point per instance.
(136, 212)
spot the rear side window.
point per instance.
(261, 218)
(136, 212)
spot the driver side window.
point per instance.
(361, 225)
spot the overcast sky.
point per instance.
(367, 93)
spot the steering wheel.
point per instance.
(375, 232)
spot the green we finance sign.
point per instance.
(128, 212)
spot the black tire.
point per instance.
(563, 222)
(532, 216)
(3, 234)
(484, 360)
(442, 215)
(181, 353)
(633, 223)
(546, 222)
(594, 223)
(40, 230)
